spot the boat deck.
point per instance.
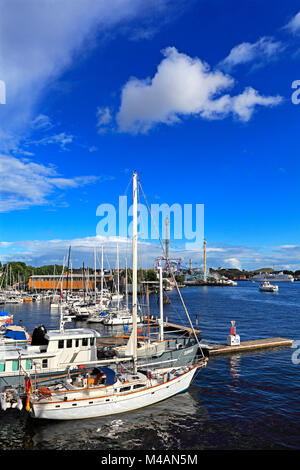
(174, 328)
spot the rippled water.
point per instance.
(243, 401)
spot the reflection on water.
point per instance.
(155, 425)
(234, 366)
(245, 401)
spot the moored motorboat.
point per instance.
(267, 287)
(49, 354)
(121, 318)
(10, 398)
(6, 318)
(97, 317)
(13, 335)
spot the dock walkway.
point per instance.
(245, 346)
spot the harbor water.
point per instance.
(240, 401)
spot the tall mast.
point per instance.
(83, 279)
(95, 274)
(167, 222)
(148, 311)
(134, 272)
(161, 306)
(67, 286)
(71, 278)
(101, 275)
(126, 284)
(204, 260)
(118, 278)
(54, 283)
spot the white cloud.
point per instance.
(184, 86)
(104, 118)
(233, 263)
(243, 104)
(24, 183)
(41, 122)
(82, 249)
(62, 139)
(263, 50)
(93, 148)
(40, 252)
(294, 24)
(288, 246)
(41, 39)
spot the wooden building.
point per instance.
(69, 282)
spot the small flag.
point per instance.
(29, 390)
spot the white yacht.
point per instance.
(13, 299)
(6, 318)
(267, 287)
(120, 318)
(97, 317)
(280, 277)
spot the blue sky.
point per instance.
(194, 95)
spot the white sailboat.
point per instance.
(101, 391)
(99, 314)
(120, 318)
(120, 315)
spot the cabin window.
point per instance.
(138, 386)
(69, 343)
(60, 344)
(85, 342)
(44, 363)
(77, 343)
(15, 365)
(92, 341)
(125, 389)
(28, 364)
(2, 366)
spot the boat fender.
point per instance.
(20, 404)
(3, 403)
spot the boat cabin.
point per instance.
(50, 351)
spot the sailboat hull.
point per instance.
(92, 407)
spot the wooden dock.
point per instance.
(246, 346)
